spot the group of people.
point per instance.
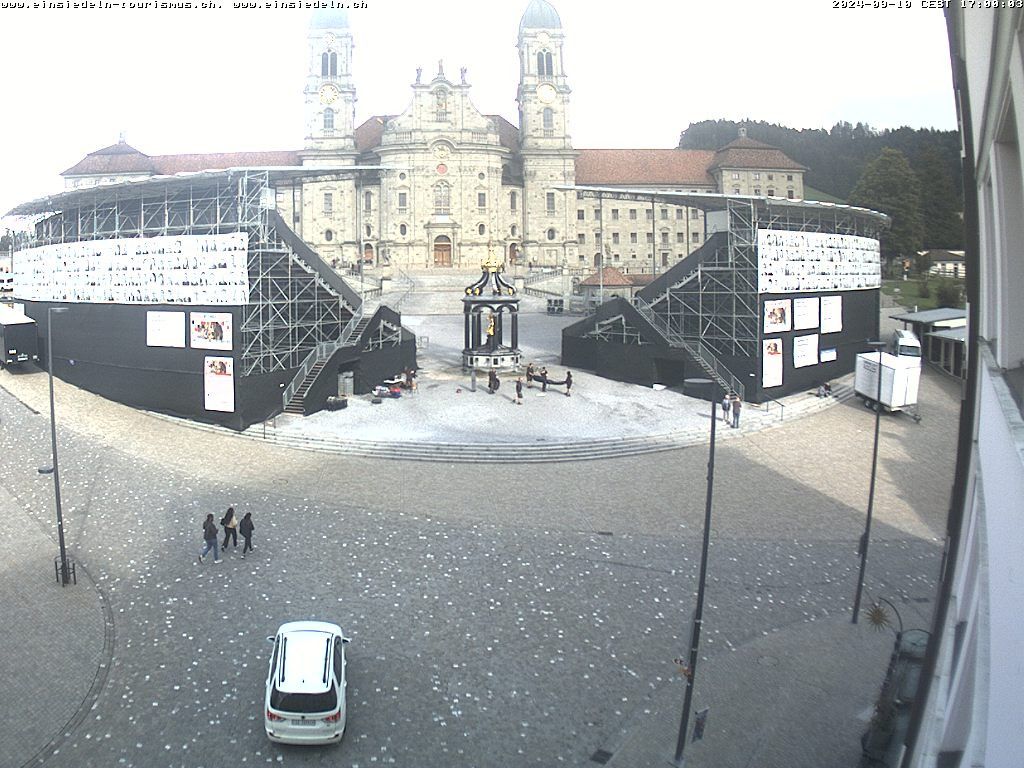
(732, 404)
(541, 376)
(232, 527)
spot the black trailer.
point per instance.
(19, 336)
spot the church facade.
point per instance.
(443, 186)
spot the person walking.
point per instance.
(530, 370)
(519, 391)
(230, 525)
(568, 383)
(726, 405)
(210, 537)
(737, 404)
(246, 528)
(543, 376)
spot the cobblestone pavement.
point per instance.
(500, 616)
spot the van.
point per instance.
(905, 344)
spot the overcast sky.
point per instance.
(180, 81)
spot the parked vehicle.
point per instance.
(19, 336)
(305, 697)
(901, 377)
(905, 344)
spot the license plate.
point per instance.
(304, 722)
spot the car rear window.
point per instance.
(305, 703)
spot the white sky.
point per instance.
(180, 81)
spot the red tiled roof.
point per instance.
(677, 167)
(747, 153)
(170, 164)
(118, 158)
(612, 278)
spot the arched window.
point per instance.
(514, 230)
(369, 231)
(367, 202)
(548, 121)
(545, 66)
(481, 229)
(329, 235)
(334, 64)
(325, 64)
(551, 234)
(328, 119)
(403, 230)
(513, 201)
(441, 104)
(442, 198)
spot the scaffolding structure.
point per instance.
(296, 302)
(708, 304)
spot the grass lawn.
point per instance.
(906, 293)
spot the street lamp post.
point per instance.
(64, 571)
(698, 613)
(862, 550)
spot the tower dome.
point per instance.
(329, 18)
(540, 14)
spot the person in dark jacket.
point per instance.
(210, 537)
(519, 392)
(246, 528)
(568, 383)
(230, 524)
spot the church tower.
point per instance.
(330, 94)
(549, 160)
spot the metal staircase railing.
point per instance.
(697, 349)
(321, 353)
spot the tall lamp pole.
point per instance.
(64, 573)
(862, 550)
(698, 613)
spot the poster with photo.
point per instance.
(777, 316)
(771, 363)
(831, 314)
(210, 330)
(219, 384)
(805, 350)
(828, 355)
(805, 314)
(165, 329)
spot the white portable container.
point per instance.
(901, 377)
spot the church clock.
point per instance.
(329, 94)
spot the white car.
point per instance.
(305, 699)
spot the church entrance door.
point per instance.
(443, 251)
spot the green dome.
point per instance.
(540, 14)
(329, 18)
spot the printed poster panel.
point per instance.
(771, 363)
(165, 329)
(805, 350)
(183, 269)
(210, 330)
(805, 314)
(792, 262)
(831, 314)
(827, 355)
(219, 384)
(777, 316)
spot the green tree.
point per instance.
(940, 210)
(889, 185)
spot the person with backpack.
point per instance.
(246, 528)
(210, 537)
(230, 525)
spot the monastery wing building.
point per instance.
(445, 186)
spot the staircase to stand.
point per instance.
(295, 394)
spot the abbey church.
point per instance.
(443, 186)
